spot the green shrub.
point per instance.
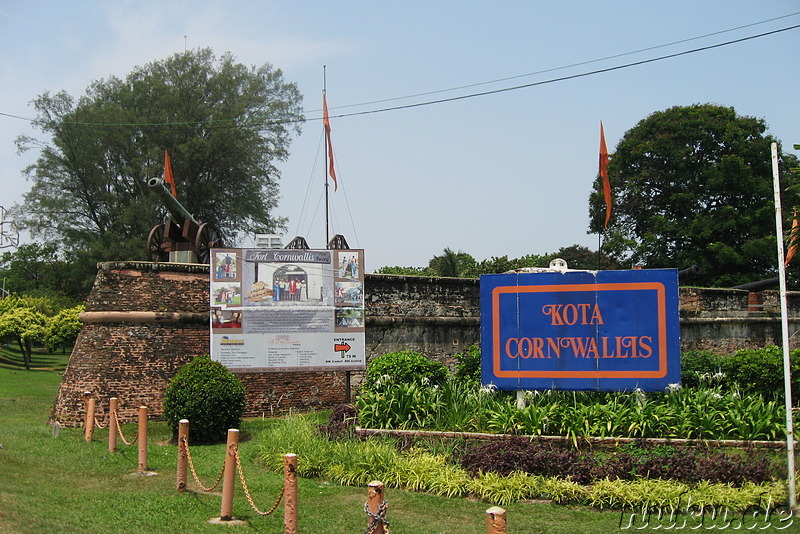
(468, 365)
(699, 366)
(403, 367)
(755, 370)
(209, 396)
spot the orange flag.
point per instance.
(604, 174)
(168, 175)
(794, 237)
(327, 123)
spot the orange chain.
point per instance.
(247, 492)
(185, 445)
(121, 435)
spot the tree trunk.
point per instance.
(28, 351)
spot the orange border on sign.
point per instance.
(631, 286)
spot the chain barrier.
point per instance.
(121, 435)
(98, 425)
(247, 491)
(184, 444)
(378, 518)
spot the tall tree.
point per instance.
(223, 123)
(693, 185)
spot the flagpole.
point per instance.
(787, 369)
(324, 92)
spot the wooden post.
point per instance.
(183, 444)
(142, 438)
(113, 404)
(89, 402)
(376, 506)
(229, 478)
(496, 521)
(290, 493)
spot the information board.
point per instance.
(581, 330)
(287, 309)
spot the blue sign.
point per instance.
(581, 330)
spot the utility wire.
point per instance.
(454, 98)
(553, 69)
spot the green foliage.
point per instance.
(357, 462)
(209, 396)
(700, 366)
(452, 264)
(690, 413)
(693, 185)
(63, 328)
(405, 271)
(468, 365)
(403, 367)
(224, 124)
(760, 371)
(25, 325)
(43, 270)
(462, 265)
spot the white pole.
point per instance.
(787, 372)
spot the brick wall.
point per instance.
(144, 321)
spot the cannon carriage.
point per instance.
(182, 238)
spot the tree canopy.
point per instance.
(463, 265)
(692, 185)
(224, 124)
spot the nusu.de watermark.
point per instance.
(688, 516)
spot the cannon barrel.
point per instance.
(689, 272)
(175, 208)
(759, 285)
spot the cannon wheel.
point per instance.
(155, 240)
(208, 237)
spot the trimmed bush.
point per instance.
(209, 396)
(403, 367)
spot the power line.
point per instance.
(563, 67)
(570, 77)
(460, 97)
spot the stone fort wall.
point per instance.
(143, 321)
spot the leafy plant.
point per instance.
(209, 396)
(403, 367)
(468, 365)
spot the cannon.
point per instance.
(181, 236)
(759, 285)
(688, 273)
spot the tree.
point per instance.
(693, 185)
(580, 257)
(41, 269)
(63, 328)
(224, 125)
(26, 326)
(452, 264)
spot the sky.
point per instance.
(506, 173)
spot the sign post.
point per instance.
(287, 309)
(581, 330)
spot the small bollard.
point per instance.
(229, 477)
(376, 505)
(496, 521)
(89, 402)
(142, 439)
(290, 493)
(113, 403)
(183, 443)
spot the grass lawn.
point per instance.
(63, 484)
